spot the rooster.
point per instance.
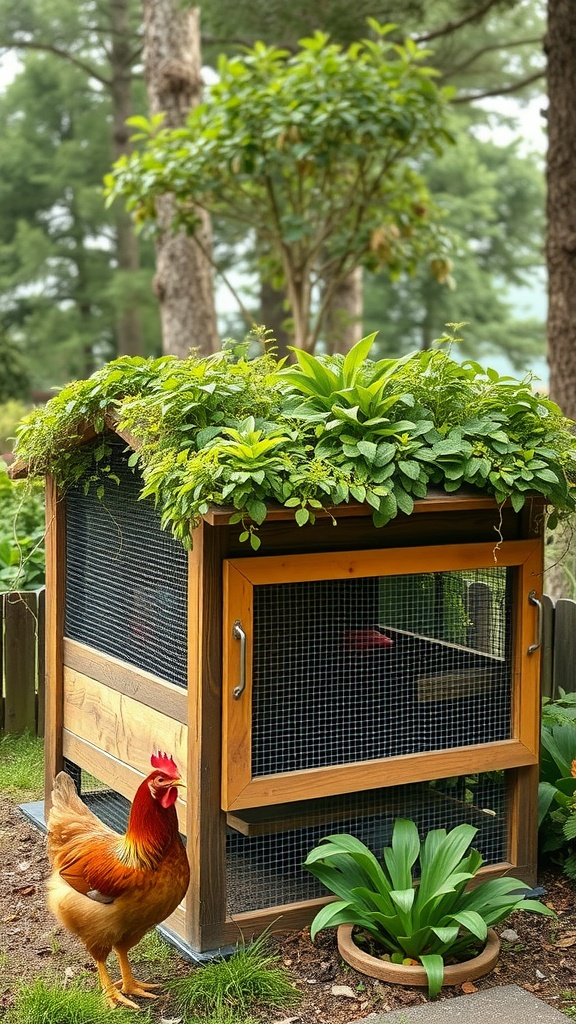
(110, 889)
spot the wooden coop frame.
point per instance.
(106, 715)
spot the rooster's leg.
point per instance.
(111, 994)
(129, 985)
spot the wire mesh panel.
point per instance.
(266, 870)
(351, 670)
(126, 579)
(111, 807)
(108, 805)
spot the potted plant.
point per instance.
(416, 933)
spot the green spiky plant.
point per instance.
(428, 922)
(557, 788)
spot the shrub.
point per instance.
(21, 533)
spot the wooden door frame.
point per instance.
(241, 790)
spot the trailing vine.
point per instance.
(231, 431)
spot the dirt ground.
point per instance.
(542, 959)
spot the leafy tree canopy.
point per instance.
(481, 46)
(493, 199)
(14, 379)
(58, 274)
(315, 152)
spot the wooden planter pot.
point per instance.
(404, 974)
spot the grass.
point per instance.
(153, 949)
(569, 1003)
(47, 1002)
(222, 992)
(226, 990)
(22, 766)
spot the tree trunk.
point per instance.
(343, 324)
(300, 299)
(183, 281)
(128, 327)
(273, 315)
(560, 45)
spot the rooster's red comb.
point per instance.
(165, 763)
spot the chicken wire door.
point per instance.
(351, 671)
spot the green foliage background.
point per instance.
(21, 533)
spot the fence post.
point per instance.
(564, 673)
(479, 609)
(20, 661)
(547, 662)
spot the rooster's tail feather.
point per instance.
(69, 818)
(65, 795)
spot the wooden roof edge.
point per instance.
(19, 468)
(436, 501)
(112, 419)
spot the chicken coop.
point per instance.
(339, 678)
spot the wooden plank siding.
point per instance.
(126, 679)
(125, 728)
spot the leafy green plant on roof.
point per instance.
(241, 433)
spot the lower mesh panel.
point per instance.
(266, 870)
(112, 808)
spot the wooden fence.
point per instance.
(22, 656)
(22, 662)
(558, 646)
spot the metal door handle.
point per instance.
(539, 623)
(239, 634)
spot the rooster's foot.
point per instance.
(136, 988)
(115, 998)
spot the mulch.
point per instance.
(542, 959)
